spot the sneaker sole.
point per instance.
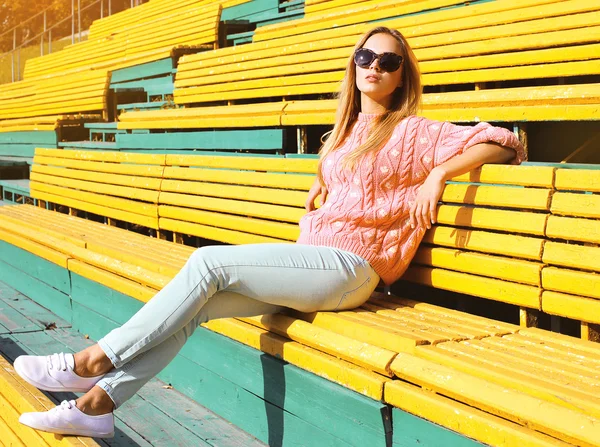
(47, 388)
(66, 431)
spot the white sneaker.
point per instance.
(67, 419)
(53, 373)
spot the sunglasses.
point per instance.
(363, 57)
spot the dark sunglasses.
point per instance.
(363, 57)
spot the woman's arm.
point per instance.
(423, 210)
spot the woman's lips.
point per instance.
(372, 78)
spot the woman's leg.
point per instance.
(302, 277)
(122, 383)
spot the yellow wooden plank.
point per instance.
(278, 230)
(139, 208)
(571, 345)
(486, 325)
(28, 435)
(571, 306)
(99, 166)
(575, 229)
(9, 437)
(510, 197)
(535, 413)
(480, 264)
(493, 219)
(115, 282)
(36, 226)
(487, 242)
(245, 193)
(215, 234)
(573, 282)
(362, 330)
(269, 180)
(274, 212)
(498, 290)
(208, 122)
(98, 188)
(468, 421)
(104, 156)
(577, 180)
(572, 255)
(540, 176)
(552, 367)
(339, 371)
(574, 204)
(359, 353)
(261, 164)
(150, 222)
(23, 242)
(586, 112)
(511, 374)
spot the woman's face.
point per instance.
(374, 82)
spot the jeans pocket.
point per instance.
(357, 296)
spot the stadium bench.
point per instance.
(321, 7)
(477, 46)
(16, 397)
(115, 185)
(189, 28)
(366, 350)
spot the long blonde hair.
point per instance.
(406, 101)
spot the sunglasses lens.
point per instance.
(364, 58)
(390, 62)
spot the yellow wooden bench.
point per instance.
(478, 45)
(235, 199)
(115, 185)
(571, 282)
(17, 397)
(52, 122)
(189, 26)
(321, 7)
(496, 401)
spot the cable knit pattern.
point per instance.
(367, 210)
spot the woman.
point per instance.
(382, 170)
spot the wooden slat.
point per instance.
(571, 306)
(562, 423)
(288, 165)
(510, 197)
(540, 176)
(571, 281)
(577, 180)
(573, 204)
(498, 290)
(486, 242)
(572, 255)
(480, 264)
(574, 229)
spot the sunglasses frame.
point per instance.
(375, 56)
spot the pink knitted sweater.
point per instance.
(367, 209)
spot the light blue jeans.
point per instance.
(230, 281)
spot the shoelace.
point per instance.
(65, 405)
(57, 361)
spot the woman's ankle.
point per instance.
(95, 402)
(92, 362)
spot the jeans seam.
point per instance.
(366, 281)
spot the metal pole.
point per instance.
(50, 41)
(43, 34)
(12, 65)
(101, 9)
(109, 9)
(79, 18)
(132, 3)
(13, 53)
(72, 21)
(19, 64)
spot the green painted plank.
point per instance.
(41, 269)
(267, 422)
(248, 9)
(143, 84)
(154, 105)
(99, 145)
(102, 299)
(20, 186)
(410, 430)
(562, 165)
(344, 413)
(18, 150)
(16, 160)
(260, 139)
(30, 137)
(102, 126)
(91, 323)
(140, 71)
(11, 319)
(49, 297)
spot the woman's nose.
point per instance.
(375, 64)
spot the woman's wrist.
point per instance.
(439, 173)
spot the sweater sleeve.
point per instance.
(454, 140)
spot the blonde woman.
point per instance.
(382, 171)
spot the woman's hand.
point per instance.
(423, 210)
(315, 190)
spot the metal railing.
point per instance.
(15, 53)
